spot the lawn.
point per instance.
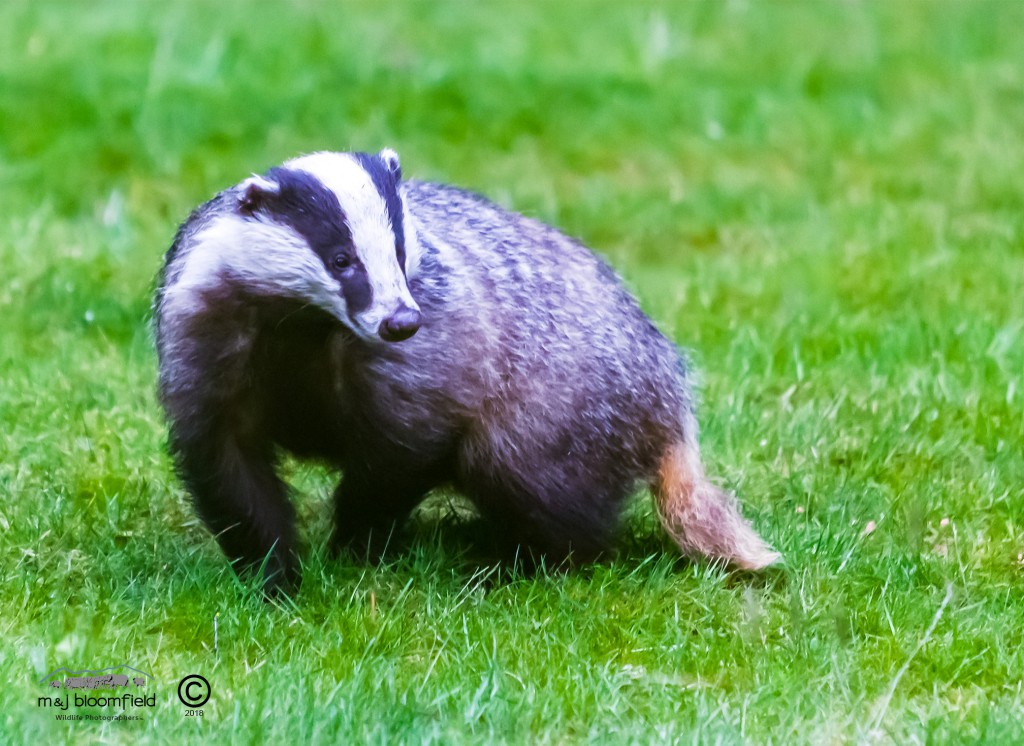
(823, 202)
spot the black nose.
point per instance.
(400, 325)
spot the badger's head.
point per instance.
(327, 230)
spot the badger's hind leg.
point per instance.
(552, 512)
(560, 533)
(701, 518)
(241, 499)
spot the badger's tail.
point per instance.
(702, 518)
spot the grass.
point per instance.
(823, 201)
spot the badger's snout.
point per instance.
(400, 325)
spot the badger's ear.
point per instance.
(390, 159)
(254, 192)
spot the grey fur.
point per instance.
(536, 386)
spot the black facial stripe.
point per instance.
(387, 188)
(400, 255)
(312, 210)
(355, 286)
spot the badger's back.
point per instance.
(536, 342)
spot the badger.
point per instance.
(415, 336)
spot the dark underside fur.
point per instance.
(535, 386)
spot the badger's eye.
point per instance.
(341, 262)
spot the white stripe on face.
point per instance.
(372, 236)
(269, 258)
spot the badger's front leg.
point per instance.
(222, 447)
(239, 496)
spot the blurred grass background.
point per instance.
(823, 201)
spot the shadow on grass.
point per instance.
(448, 537)
(447, 541)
